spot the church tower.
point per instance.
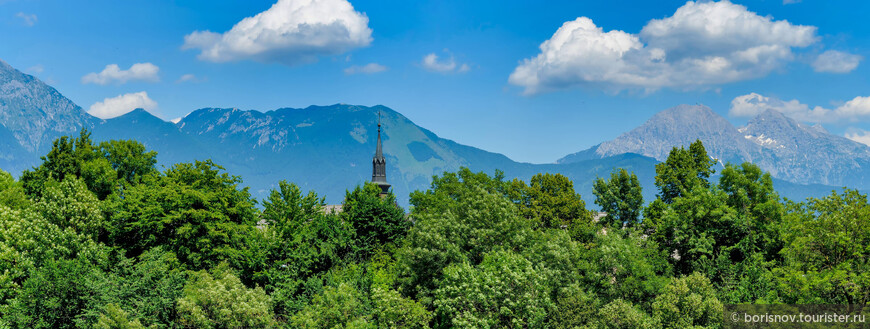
(379, 164)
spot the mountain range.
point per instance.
(789, 150)
(328, 149)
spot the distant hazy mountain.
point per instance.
(676, 126)
(808, 154)
(172, 145)
(329, 148)
(34, 112)
(787, 149)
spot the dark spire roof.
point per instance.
(379, 164)
(379, 154)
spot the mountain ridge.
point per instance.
(322, 148)
(36, 113)
(789, 150)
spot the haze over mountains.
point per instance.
(329, 148)
(787, 149)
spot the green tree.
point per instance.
(29, 243)
(575, 307)
(454, 186)
(129, 159)
(744, 274)
(69, 204)
(220, 300)
(194, 209)
(621, 314)
(360, 296)
(376, 220)
(697, 227)
(750, 192)
(688, 302)
(148, 286)
(103, 168)
(683, 170)
(392, 310)
(620, 197)
(337, 307)
(296, 261)
(285, 209)
(827, 245)
(461, 230)
(77, 157)
(55, 296)
(504, 291)
(628, 267)
(116, 318)
(12, 192)
(551, 201)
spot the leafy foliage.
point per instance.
(11, 192)
(69, 204)
(620, 197)
(97, 237)
(461, 230)
(220, 300)
(102, 167)
(550, 199)
(54, 296)
(376, 220)
(117, 318)
(683, 170)
(688, 302)
(504, 291)
(827, 244)
(193, 209)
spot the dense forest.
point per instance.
(97, 236)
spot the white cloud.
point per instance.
(189, 78)
(290, 32)
(369, 68)
(858, 135)
(113, 73)
(702, 44)
(753, 104)
(36, 69)
(433, 63)
(836, 62)
(27, 19)
(120, 105)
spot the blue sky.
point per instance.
(532, 80)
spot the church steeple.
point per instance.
(379, 164)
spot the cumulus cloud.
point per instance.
(858, 135)
(120, 105)
(753, 104)
(27, 19)
(702, 44)
(433, 63)
(833, 61)
(369, 68)
(113, 73)
(290, 32)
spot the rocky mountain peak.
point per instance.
(36, 113)
(680, 126)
